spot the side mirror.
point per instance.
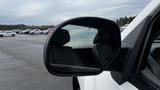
(82, 46)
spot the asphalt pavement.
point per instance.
(22, 68)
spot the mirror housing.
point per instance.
(63, 60)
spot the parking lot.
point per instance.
(22, 68)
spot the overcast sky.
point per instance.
(55, 11)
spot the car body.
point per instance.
(17, 31)
(1, 32)
(35, 31)
(7, 34)
(25, 31)
(105, 80)
(45, 32)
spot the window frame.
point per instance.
(136, 78)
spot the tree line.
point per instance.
(124, 20)
(120, 21)
(22, 26)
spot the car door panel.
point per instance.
(104, 81)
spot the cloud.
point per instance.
(54, 12)
(30, 10)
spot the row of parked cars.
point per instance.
(33, 31)
(13, 33)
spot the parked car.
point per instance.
(18, 31)
(1, 32)
(7, 34)
(45, 32)
(116, 61)
(26, 31)
(35, 31)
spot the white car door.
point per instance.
(103, 81)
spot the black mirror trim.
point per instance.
(93, 21)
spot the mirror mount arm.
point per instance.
(117, 66)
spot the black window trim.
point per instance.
(136, 78)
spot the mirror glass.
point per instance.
(80, 36)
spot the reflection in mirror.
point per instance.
(80, 36)
(77, 53)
